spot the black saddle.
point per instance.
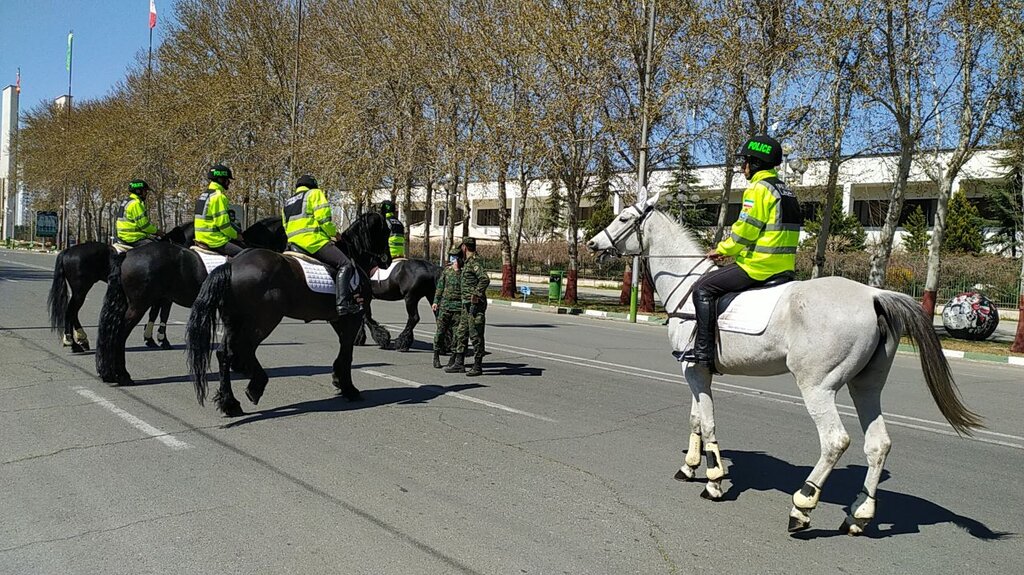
(775, 280)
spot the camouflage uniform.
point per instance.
(448, 299)
(474, 285)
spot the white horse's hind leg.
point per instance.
(821, 404)
(866, 392)
(699, 379)
(688, 469)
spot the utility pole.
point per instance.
(641, 179)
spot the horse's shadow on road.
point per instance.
(370, 398)
(272, 373)
(897, 513)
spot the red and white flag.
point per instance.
(152, 14)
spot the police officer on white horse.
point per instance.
(763, 242)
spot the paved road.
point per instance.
(558, 460)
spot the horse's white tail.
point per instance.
(905, 317)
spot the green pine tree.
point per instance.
(916, 240)
(683, 183)
(963, 227)
(1004, 203)
(845, 233)
(554, 206)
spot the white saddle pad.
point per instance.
(318, 279)
(121, 248)
(380, 275)
(750, 312)
(210, 260)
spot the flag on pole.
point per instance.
(152, 14)
(67, 64)
(17, 83)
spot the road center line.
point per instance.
(154, 432)
(458, 395)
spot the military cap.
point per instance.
(455, 251)
(469, 242)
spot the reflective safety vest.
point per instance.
(396, 241)
(213, 225)
(765, 238)
(132, 223)
(307, 219)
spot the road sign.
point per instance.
(46, 224)
(526, 291)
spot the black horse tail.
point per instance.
(201, 324)
(115, 305)
(904, 315)
(57, 301)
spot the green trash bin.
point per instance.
(555, 285)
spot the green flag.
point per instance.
(71, 36)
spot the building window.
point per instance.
(586, 213)
(442, 220)
(809, 211)
(928, 208)
(871, 213)
(487, 217)
(415, 217)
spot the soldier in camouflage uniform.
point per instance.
(448, 306)
(474, 306)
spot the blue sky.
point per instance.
(108, 36)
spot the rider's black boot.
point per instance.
(437, 359)
(459, 366)
(703, 351)
(344, 299)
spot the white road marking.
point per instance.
(411, 383)
(154, 432)
(940, 427)
(9, 280)
(44, 268)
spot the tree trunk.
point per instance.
(931, 283)
(467, 214)
(450, 193)
(646, 289)
(880, 258)
(826, 214)
(428, 218)
(517, 236)
(627, 287)
(406, 206)
(573, 220)
(508, 279)
(1018, 340)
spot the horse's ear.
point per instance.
(653, 200)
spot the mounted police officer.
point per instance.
(396, 241)
(448, 306)
(763, 241)
(310, 229)
(474, 307)
(133, 226)
(213, 224)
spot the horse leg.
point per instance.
(699, 379)
(131, 319)
(342, 374)
(161, 331)
(147, 332)
(405, 339)
(379, 333)
(258, 378)
(820, 399)
(74, 335)
(225, 398)
(866, 392)
(361, 334)
(688, 470)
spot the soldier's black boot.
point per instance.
(343, 296)
(477, 369)
(703, 351)
(459, 366)
(437, 359)
(451, 359)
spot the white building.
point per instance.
(865, 183)
(8, 161)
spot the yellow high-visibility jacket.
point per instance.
(765, 238)
(132, 223)
(213, 225)
(307, 219)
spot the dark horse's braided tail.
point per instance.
(57, 300)
(115, 305)
(201, 324)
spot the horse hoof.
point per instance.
(232, 409)
(685, 473)
(798, 524)
(151, 343)
(352, 395)
(253, 396)
(164, 344)
(85, 346)
(853, 526)
(75, 348)
(122, 381)
(710, 496)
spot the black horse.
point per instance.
(252, 293)
(77, 269)
(154, 273)
(409, 280)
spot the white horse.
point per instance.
(827, 332)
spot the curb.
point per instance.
(970, 356)
(650, 320)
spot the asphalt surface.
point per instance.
(558, 460)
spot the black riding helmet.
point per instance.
(763, 152)
(307, 181)
(138, 187)
(219, 173)
(387, 207)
